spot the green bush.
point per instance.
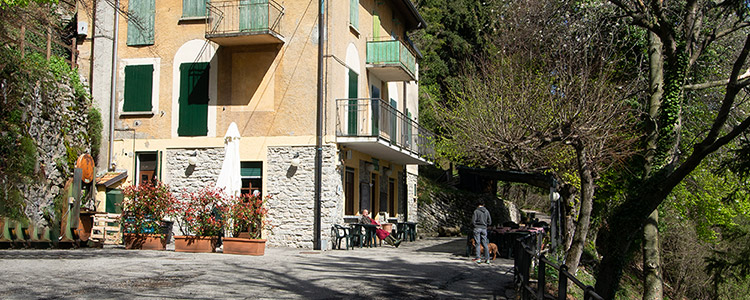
(95, 132)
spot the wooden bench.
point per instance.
(106, 229)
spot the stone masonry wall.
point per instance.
(411, 197)
(292, 189)
(182, 177)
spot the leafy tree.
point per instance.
(689, 30)
(531, 107)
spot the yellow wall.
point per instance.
(354, 163)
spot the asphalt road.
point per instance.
(433, 268)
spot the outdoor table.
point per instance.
(356, 233)
(370, 236)
(505, 237)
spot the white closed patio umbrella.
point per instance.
(229, 178)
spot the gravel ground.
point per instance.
(433, 268)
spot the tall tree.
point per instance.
(652, 279)
(532, 107)
(688, 30)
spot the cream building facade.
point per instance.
(186, 69)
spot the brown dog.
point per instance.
(492, 246)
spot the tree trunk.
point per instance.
(652, 280)
(573, 256)
(569, 214)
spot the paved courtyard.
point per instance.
(433, 268)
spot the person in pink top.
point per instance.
(382, 234)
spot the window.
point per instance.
(193, 8)
(193, 99)
(141, 22)
(375, 106)
(392, 203)
(138, 88)
(354, 13)
(147, 167)
(393, 116)
(252, 177)
(349, 192)
(254, 15)
(408, 128)
(375, 26)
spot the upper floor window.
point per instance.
(193, 8)
(138, 88)
(354, 13)
(141, 22)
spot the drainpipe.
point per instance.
(112, 88)
(319, 127)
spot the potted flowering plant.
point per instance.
(144, 207)
(199, 216)
(247, 221)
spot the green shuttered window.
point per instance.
(193, 8)
(353, 107)
(138, 88)
(141, 22)
(193, 99)
(254, 15)
(354, 13)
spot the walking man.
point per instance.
(481, 220)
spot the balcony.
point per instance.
(244, 22)
(372, 126)
(391, 61)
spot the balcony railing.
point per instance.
(392, 54)
(374, 118)
(244, 22)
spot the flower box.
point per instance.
(145, 241)
(244, 246)
(195, 244)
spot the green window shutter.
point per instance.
(375, 26)
(393, 116)
(141, 22)
(251, 169)
(408, 128)
(375, 106)
(353, 107)
(194, 8)
(193, 99)
(138, 86)
(354, 13)
(254, 15)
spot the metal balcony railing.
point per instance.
(373, 117)
(243, 16)
(391, 52)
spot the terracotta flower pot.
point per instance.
(144, 241)
(244, 246)
(195, 244)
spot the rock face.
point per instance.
(448, 211)
(57, 123)
(292, 190)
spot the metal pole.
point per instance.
(319, 127)
(112, 93)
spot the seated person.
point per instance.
(382, 234)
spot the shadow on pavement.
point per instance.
(454, 247)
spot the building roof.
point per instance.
(413, 19)
(110, 178)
